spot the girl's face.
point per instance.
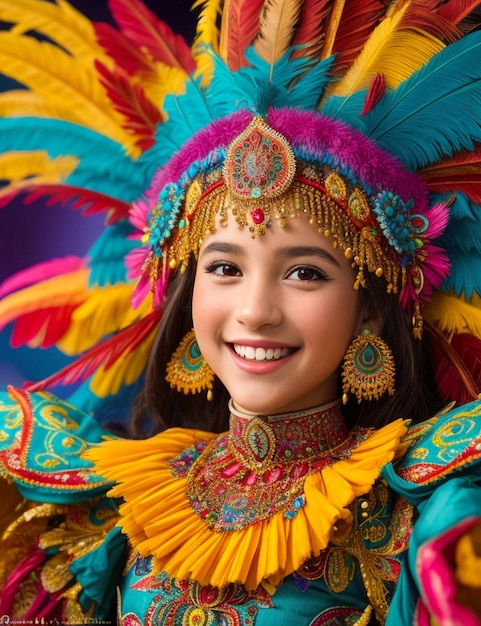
(274, 315)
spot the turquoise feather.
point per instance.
(108, 253)
(466, 280)
(104, 166)
(447, 90)
(463, 234)
(180, 124)
(347, 110)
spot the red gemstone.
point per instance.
(417, 222)
(257, 216)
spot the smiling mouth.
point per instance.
(249, 353)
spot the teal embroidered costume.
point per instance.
(368, 564)
(362, 118)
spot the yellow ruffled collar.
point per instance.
(188, 495)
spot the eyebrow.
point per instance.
(299, 251)
(289, 252)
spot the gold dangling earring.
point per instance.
(368, 369)
(187, 371)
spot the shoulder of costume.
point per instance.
(43, 440)
(446, 445)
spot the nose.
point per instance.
(258, 304)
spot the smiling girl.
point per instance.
(301, 306)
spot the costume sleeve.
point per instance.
(440, 580)
(62, 551)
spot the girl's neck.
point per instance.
(301, 435)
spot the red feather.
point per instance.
(240, 24)
(426, 18)
(311, 28)
(104, 354)
(374, 94)
(456, 11)
(129, 99)
(126, 56)
(144, 30)
(457, 366)
(89, 202)
(357, 23)
(459, 173)
(43, 327)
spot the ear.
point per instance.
(370, 318)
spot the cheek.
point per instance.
(205, 310)
(336, 320)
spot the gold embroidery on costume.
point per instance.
(73, 530)
(376, 544)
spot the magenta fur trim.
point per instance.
(216, 135)
(323, 138)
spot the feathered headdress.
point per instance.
(375, 106)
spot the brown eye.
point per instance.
(223, 269)
(306, 273)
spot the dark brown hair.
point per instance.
(159, 407)
(415, 396)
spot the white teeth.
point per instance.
(261, 354)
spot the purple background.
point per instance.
(33, 233)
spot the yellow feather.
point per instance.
(35, 165)
(57, 291)
(125, 370)
(161, 81)
(207, 35)
(276, 28)
(20, 102)
(393, 53)
(452, 315)
(59, 21)
(102, 313)
(68, 86)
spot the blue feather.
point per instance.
(180, 125)
(113, 412)
(436, 111)
(460, 206)
(104, 165)
(298, 82)
(108, 252)
(465, 276)
(347, 110)
(463, 234)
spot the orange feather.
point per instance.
(277, 29)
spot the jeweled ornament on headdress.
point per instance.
(259, 164)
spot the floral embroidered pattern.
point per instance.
(182, 602)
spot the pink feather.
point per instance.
(40, 272)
